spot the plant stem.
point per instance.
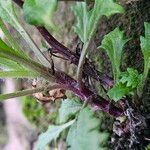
(65, 82)
(81, 63)
(88, 69)
(105, 80)
(27, 92)
(97, 102)
(69, 83)
(18, 74)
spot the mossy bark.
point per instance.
(132, 22)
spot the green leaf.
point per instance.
(81, 14)
(9, 53)
(12, 65)
(51, 134)
(84, 134)
(131, 78)
(9, 37)
(6, 48)
(38, 12)
(126, 85)
(147, 147)
(118, 92)
(114, 43)
(68, 108)
(7, 13)
(145, 46)
(18, 74)
(87, 21)
(9, 63)
(14, 69)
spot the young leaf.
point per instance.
(51, 134)
(87, 21)
(145, 46)
(126, 85)
(118, 92)
(39, 12)
(114, 43)
(82, 16)
(131, 78)
(68, 108)
(84, 134)
(7, 13)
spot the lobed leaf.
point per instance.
(118, 92)
(126, 85)
(87, 22)
(84, 134)
(131, 78)
(51, 134)
(114, 43)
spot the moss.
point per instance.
(132, 22)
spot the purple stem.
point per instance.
(89, 69)
(96, 101)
